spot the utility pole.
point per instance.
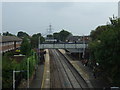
(79, 53)
(14, 77)
(13, 80)
(28, 72)
(83, 47)
(50, 29)
(39, 49)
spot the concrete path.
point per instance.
(46, 74)
(37, 81)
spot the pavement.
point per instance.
(42, 79)
(86, 73)
(46, 74)
(37, 81)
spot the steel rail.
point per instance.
(74, 71)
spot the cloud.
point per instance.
(79, 18)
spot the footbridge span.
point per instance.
(62, 46)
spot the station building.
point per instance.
(78, 39)
(80, 53)
(8, 43)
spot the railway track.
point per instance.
(63, 74)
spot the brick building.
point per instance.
(78, 39)
(79, 53)
(8, 43)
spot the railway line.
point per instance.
(62, 73)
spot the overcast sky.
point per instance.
(79, 18)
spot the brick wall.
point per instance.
(8, 47)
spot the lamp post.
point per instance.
(83, 47)
(79, 50)
(39, 49)
(28, 73)
(13, 80)
(14, 76)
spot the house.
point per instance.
(50, 40)
(83, 52)
(8, 43)
(78, 39)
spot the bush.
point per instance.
(107, 50)
(9, 65)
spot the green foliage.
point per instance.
(34, 40)
(22, 34)
(7, 34)
(62, 35)
(105, 47)
(50, 36)
(95, 33)
(25, 46)
(36, 35)
(8, 65)
(56, 36)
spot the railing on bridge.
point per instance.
(62, 45)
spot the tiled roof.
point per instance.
(74, 38)
(9, 38)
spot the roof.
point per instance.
(73, 38)
(78, 38)
(9, 38)
(72, 50)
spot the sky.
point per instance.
(79, 18)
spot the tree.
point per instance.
(25, 46)
(36, 35)
(7, 34)
(63, 34)
(105, 47)
(95, 33)
(34, 40)
(56, 36)
(22, 34)
(50, 36)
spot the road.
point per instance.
(62, 74)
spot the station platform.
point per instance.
(79, 70)
(46, 74)
(86, 73)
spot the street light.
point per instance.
(14, 77)
(83, 47)
(28, 72)
(21, 71)
(39, 49)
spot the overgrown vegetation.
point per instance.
(25, 46)
(105, 49)
(9, 65)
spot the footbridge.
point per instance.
(62, 46)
